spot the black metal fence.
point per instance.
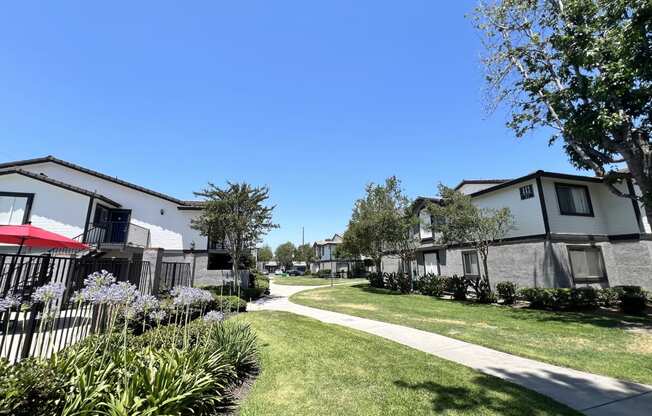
(26, 329)
(175, 274)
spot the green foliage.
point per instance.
(459, 221)
(561, 298)
(459, 286)
(285, 254)
(158, 373)
(381, 222)
(304, 252)
(265, 253)
(324, 273)
(581, 70)
(236, 217)
(633, 299)
(229, 303)
(609, 297)
(433, 285)
(483, 293)
(507, 292)
(376, 280)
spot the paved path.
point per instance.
(591, 394)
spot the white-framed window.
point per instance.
(586, 263)
(574, 200)
(14, 208)
(470, 263)
(425, 224)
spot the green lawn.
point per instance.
(312, 281)
(615, 345)
(313, 368)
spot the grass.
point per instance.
(613, 345)
(313, 368)
(312, 281)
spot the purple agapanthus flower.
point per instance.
(8, 302)
(158, 316)
(214, 316)
(49, 292)
(189, 296)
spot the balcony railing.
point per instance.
(118, 232)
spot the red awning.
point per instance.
(30, 236)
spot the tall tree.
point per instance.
(236, 216)
(304, 252)
(285, 254)
(378, 223)
(583, 70)
(265, 253)
(458, 221)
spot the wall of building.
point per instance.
(170, 230)
(55, 209)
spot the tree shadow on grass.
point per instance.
(488, 395)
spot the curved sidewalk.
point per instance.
(591, 394)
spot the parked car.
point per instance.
(295, 272)
(278, 272)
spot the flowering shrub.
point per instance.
(214, 316)
(8, 302)
(48, 293)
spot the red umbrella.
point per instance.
(30, 236)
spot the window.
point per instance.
(219, 261)
(526, 191)
(586, 263)
(425, 226)
(470, 262)
(574, 200)
(15, 208)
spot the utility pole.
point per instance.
(303, 235)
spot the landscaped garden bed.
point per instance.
(603, 342)
(146, 356)
(313, 281)
(313, 368)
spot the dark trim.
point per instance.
(59, 184)
(88, 218)
(480, 182)
(533, 175)
(637, 209)
(544, 210)
(189, 208)
(580, 280)
(588, 197)
(94, 173)
(28, 204)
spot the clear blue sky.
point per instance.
(313, 98)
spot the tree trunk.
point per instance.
(236, 276)
(484, 254)
(644, 183)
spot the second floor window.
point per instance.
(574, 200)
(14, 208)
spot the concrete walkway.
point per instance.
(591, 394)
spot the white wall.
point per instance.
(470, 188)
(54, 209)
(170, 231)
(612, 214)
(527, 213)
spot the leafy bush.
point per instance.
(539, 298)
(391, 281)
(160, 372)
(482, 290)
(633, 299)
(609, 297)
(324, 273)
(507, 292)
(433, 285)
(376, 280)
(459, 286)
(561, 298)
(584, 298)
(230, 303)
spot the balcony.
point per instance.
(105, 233)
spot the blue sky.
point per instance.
(313, 99)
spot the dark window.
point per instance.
(574, 200)
(219, 261)
(586, 263)
(15, 208)
(470, 263)
(526, 191)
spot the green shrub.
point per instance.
(230, 303)
(376, 280)
(507, 292)
(432, 285)
(562, 298)
(160, 372)
(609, 297)
(459, 286)
(324, 273)
(391, 281)
(633, 299)
(584, 298)
(539, 298)
(483, 293)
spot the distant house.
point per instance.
(117, 218)
(570, 231)
(326, 258)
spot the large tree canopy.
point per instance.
(582, 69)
(285, 254)
(236, 216)
(265, 253)
(381, 223)
(304, 252)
